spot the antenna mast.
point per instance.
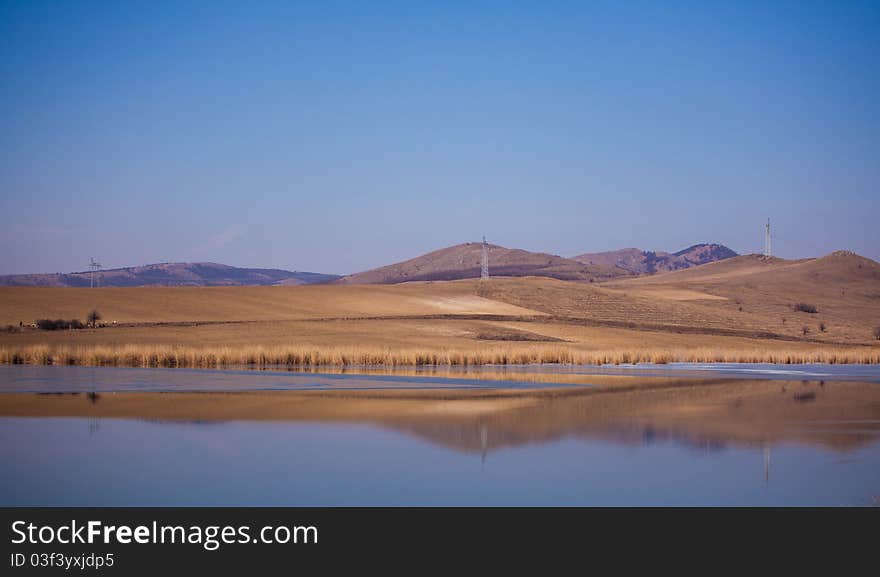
(484, 271)
(767, 238)
(94, 266)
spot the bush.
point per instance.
(59, 324)
(877, 333)
(805, 329)
(822, 327)
(48, 324)
(805, 308)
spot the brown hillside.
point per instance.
(463, 261)
(236, 304)
(736, 310)
(843, 286)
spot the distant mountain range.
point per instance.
(639, 262)
(171, 274)
(455, 262)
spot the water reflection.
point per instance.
(658, 442)
(697, 415)
(126, 462)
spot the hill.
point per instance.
(739, 310)
(843, 287)
(464, 261)
(639, 262)
(171, 274)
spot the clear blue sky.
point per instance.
(338, 136)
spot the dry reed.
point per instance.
(299, 356)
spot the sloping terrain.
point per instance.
(464, 261)
(737, 310)
(753, 290)
(236, 304)
(170, 274)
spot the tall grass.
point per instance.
(298, 356)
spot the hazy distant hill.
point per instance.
(464, 260)
(172, 274)
(638, 262)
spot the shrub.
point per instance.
(58, 324)
(805, 308)
(822, 327)
(805, 329)
(877, 333)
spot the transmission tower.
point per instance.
(94, 266)
(484, 271)
(767, 251)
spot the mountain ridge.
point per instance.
(171, 274)
(639, 262)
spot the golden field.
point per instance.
(735, 310)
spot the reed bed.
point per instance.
(299, 356)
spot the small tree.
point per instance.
(805, 329)
(822, 327)
(94, 317)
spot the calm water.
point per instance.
(40, 379)
(767, 442)
(52, 379)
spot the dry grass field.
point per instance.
(740, 309)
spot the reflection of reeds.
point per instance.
(183, 356)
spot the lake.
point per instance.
(647, 435)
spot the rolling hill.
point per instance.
(463, 261)
(639, 262)
(171, 274)
(756, 290)
(740, 309)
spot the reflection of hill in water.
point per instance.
(706, 415)
(839, 416)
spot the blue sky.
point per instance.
(339, 136)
